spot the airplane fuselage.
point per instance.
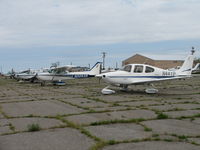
(62, 77)
(138, 73)
(25, 76)
(55, 76)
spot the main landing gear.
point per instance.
(42, 83)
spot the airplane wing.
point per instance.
(62, 69)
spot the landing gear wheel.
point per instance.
(124, 88)
(42, 83)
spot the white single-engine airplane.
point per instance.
(58, 75)
(196, 69)
(28, 75)
(133, 74)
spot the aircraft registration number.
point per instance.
(80, 75)
(168, 73)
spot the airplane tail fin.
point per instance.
(96, 69)
(186, 68)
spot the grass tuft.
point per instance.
(147, 129)
(162, 116)
(182, 137)
(117, 121)
(33, 127)
(112, 142)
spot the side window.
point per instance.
(149, 69)
(127, 68)
(138, 69)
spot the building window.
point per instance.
(149, 69)
(138, 69)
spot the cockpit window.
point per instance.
(149, 69)
(138, 69)
(51, 71)
(127, 68)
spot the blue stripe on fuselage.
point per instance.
(158, 77)
(69, 75)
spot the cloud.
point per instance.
(90, 22)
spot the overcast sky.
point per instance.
(36, 33)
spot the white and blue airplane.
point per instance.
(58, 75)
(134, 74)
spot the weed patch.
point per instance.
(33, 127)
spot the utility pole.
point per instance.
(103, 56)
(116, 67)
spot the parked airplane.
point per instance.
(133, 74)
(60, 74)
(196, 69)
(28, 75)
(10, 74)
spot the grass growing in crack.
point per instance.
(75, 105)
(115, 104)
(156, 139)
(155, 135)
(168, 140)
(94, 99)
(187, 117)
(33, 127)
(182, 137)
(11, 127)
(98, 146)
(117, 121)
(111, 142)
(78, 127)
(192, 119)
(30, 115)
(162, 116)
(147, 129)
(194, 143)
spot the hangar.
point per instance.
(139, 59)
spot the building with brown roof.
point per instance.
(165, 64)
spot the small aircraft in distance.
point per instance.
(196, 69)
(60, 74)
(28, 75)
(135, 74)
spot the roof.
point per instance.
(138, 56)
(140, 59)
